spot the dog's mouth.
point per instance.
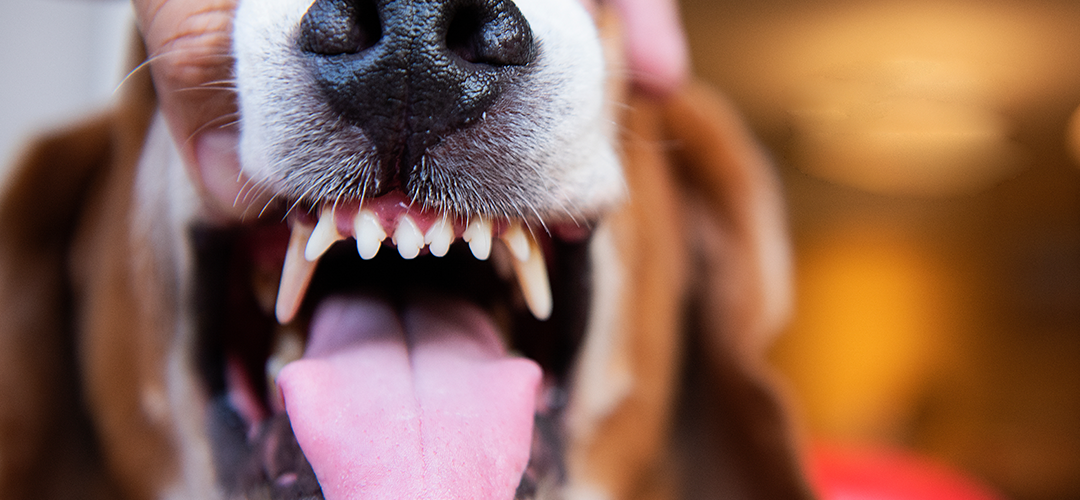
(389, 351)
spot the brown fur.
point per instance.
(688, 238)
(82, 353)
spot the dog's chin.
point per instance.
(384, 373)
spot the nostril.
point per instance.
(490, 32)
(461, 34)
(332, 27)
(409, 73)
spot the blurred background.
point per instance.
(929, 156)
(929, 153)
(59, 59)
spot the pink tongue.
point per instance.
(427, 406)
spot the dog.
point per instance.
(471, 261)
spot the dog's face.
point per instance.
(439, 168)
(460, 267)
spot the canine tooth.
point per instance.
(478, 234)
(408, 238)
(533, 278)
(324, 235)
(295, 274)
(517, 242)
(369, 234)
(439, 237)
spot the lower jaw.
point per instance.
(255, 437)
(265, 460)
(260, 455)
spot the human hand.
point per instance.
(189, 47)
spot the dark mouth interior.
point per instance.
(231, 324)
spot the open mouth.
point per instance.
(355, 340)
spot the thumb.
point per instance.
(189, 48)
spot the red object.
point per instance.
(872, 473)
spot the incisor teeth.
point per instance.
(533, 278)
(324, 235)
(517, 242)
(439, 237)
(295, 274)
(369, 234)
(478, 234)
(408, 238)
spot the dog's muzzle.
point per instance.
(468, 134)
(408, 73)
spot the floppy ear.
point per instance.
(735, 430)
(46, 444)
(699, 253)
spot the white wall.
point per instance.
(59, 59)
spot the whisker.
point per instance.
(201, 54)
(215, 58)
(299, 199)
(269, 202)
(250, 192)
(230, 82)
(337, 200)
(142, 66)
(244, 190)
(204, 88)
(223, 121)
(259, 190)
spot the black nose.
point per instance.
(409, 71)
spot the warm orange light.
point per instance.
(1073, 136)
(905, 96)
(871, 314)
(906, 126)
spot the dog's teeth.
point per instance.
(369, 234)
(408, 238)
(515, 239)
(324, 235)
(295, 274)
(439, 237)
(478, 234)
(533, 278)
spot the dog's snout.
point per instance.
(408, 72)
